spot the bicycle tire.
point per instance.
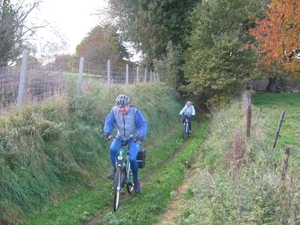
(185, 133)
(117, 188)
(130, 184)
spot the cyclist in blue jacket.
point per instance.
(189, 112)
(132, 129)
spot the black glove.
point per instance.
(139, 139)
(105, 136)
(180, 115)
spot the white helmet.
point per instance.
(122, 100)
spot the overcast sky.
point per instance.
(70, 18)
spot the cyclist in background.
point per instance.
(132, 128)
(189, 112)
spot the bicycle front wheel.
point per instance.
(117, 188)
(129, 179)
(185, 132)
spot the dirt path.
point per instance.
(173, 209)
(174, 206)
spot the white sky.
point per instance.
(69, 22)
(72, 19)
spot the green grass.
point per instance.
(54, 163)
(160, 179)
(272, 106)
(239, 179)
(51, 152)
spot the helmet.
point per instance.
(188, 103)
(122, 100)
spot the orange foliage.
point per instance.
(278, 34)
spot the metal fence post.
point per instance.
(145, 80)
(127, 72)
(108, 71)
(137, 74)
(79, 87)
(22, 80)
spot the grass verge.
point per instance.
(165, 170)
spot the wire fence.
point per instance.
(31, 82)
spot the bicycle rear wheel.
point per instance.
(117, 188)
(129, 179)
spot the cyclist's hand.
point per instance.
(180, 115)
(139, 139)
(105, 136)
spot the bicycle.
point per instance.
(123, 175)
(185, 128)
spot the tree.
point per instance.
(14, 30)
(219, 60)
(101, 44)
(151, 24)
(278, 34)
(64, 62)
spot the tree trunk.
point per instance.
(271, 85)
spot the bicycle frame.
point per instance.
(186, 125)
(185, 128)
(123, 163)
(123, 175)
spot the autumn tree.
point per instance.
(64, 62)
(278, 34)
(101, 44)
(278, 37)
(15, 29)
(219, 60)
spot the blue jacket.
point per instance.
(131, 123)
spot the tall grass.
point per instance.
(49, 152)
(239, 180)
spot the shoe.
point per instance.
(137, 186)
(112, 175)
(190, 131)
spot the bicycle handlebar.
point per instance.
(110, 137)
(183, 116)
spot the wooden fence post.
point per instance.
(249, 118)
(278, 129)
(285, 162)
(22, 80)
